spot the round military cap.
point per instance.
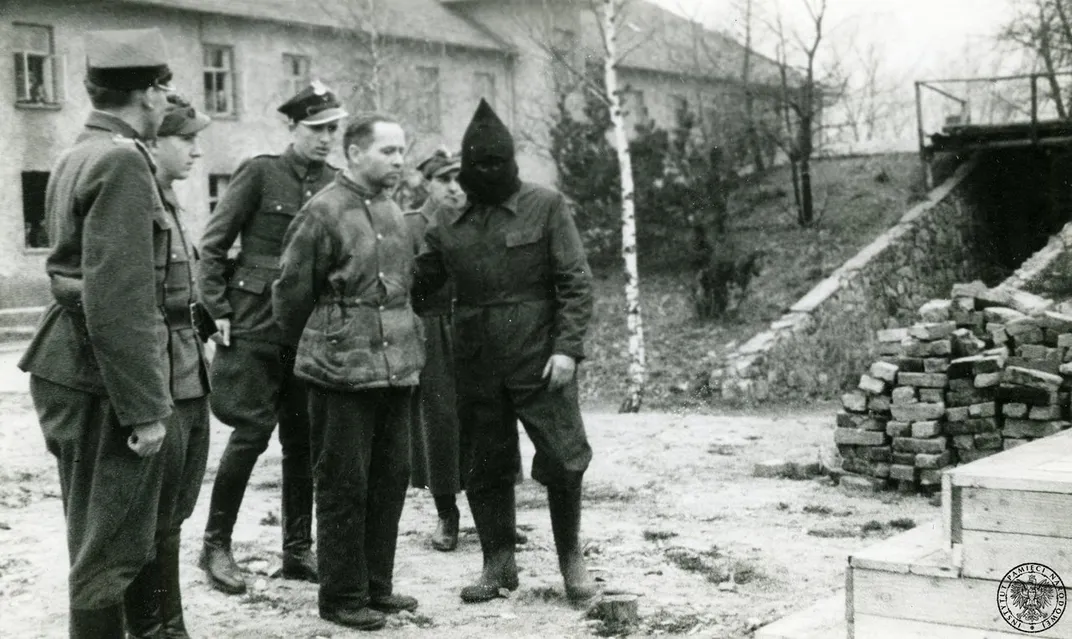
(126, 59)
(182, 120)
(440, 162)
(313, 105)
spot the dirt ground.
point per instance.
(671, 510)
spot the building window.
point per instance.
(563, 49)
(484, 87)
(428, 104)
(217, 184)
(34, 224)
(679, 107)
(219, 80)
(636, 109)
(295, 73)
(39, 72)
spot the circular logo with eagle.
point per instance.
(1031, 597)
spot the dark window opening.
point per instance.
(34, 224)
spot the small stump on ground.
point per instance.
(616, 611)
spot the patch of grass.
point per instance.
(658, 535)
(727, 450)
(540, 594)
(834, 532)
(872, 526)
(813, 509)
(601, 492)
(271, 519)
(902, 523)
(269, 484)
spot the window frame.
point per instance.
(218, 182)
(53, 70)
(228, 72)
(292, 83)
(42, 222)
(431, 94)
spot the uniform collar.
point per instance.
(111, 123)
(300, 164)
(168, 195)
(364, 192)
(509, 205)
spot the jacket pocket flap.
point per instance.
(279, 207)
(247, 284)
(521, 238)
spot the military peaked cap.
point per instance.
(313, 105)
(126, 59)
(439, 163)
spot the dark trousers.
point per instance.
(360, 443)
(254, 388)
(490, 405)
(111, 497)
(186, 455)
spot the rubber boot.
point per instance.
(171, 591)
(141, 603)
(103, 623)
(227, 493)
(299, 561)
(495, 519)
(565, 507)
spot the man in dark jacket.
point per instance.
(344, 289)
(99, 364)
(524, 300)
(253, 369)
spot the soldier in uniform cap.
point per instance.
(523, 302)
(100, 368)
(252, 371)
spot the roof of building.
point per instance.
(409, 19)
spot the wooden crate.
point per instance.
(823, 620)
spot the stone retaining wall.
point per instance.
(826, 338)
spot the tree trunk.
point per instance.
(637, 367)
(752, 131)
(807, 212)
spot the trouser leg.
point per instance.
(388, 479)
(297, 506)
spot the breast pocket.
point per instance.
(161, 251)
(277, 213)
(526, 256)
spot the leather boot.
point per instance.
(565, 507)
(299, 561)
(445, 538)
(495, 519)
(141, 603)
(171, 591)
(103, 623)
(227, 493)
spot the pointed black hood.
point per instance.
(489, 172)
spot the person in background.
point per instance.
(100, 368)
(253, 369)
(344, 297)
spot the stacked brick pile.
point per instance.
(981, 372)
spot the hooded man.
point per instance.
(253, 369)
(523, 302)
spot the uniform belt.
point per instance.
(259, 261)
(516, 299)
(179, 317)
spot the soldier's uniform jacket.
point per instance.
(522, 282)
(264, 195)
(347, 270)
(107, 332)
(440, 302)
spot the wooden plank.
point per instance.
(971, 603)
(825, 619)
(947, 510)
(1021, 512)
(900, 552)
(876, 627)
(1040, 465)
(989, 555)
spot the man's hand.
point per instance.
(559, 369)
(147, 439)
(223, 337)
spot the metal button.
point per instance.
(308, 193)
(381, 275)
(241, 282)
(385, 343)
(174, 256)
(379, 236)
(278, 206)
(383, 308)
(368, 203)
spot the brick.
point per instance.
(1035, 351)
(957, 413)
(923, 380)
(1065, 369)
(988, 441)
(987, 380)
(857, 484)
(1046, 412)
(898, 429)
(772, 468)
(1032, 336)
(1057, 322)
(889, 348)
(985, 409)
(855, 402)
(876, 453)
(874, 422)
(914, 445)
(931, 331)
(858, 437)
(848, 420)
(857, 465)
(847, 451)
(930, 460)
(1050, 367)
(968, 456)
(872, 385)
(884, 371)
(969, 397)
(1064, 340)
(962, 366)
(880, 469)
(904, 395)
(930, 477)
(1030, 428)
(961, 385)
(1002, 315)
(891, 335)
(1049, 337)
(1023, 395)
(988, 364)
(903, 473)
(924, 430)
(935, 365)
(931, 395)
(965, 343)
(1013, 443)
(1031, 378)
(1015, 409)
(878, 403)
(935, 310)
(968, 289)
(972, 426)
(997, 333)
(903, 459)
(966, 441)
(917, 412)
(910, 364)
(937, 348)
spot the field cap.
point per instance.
(127, 59)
